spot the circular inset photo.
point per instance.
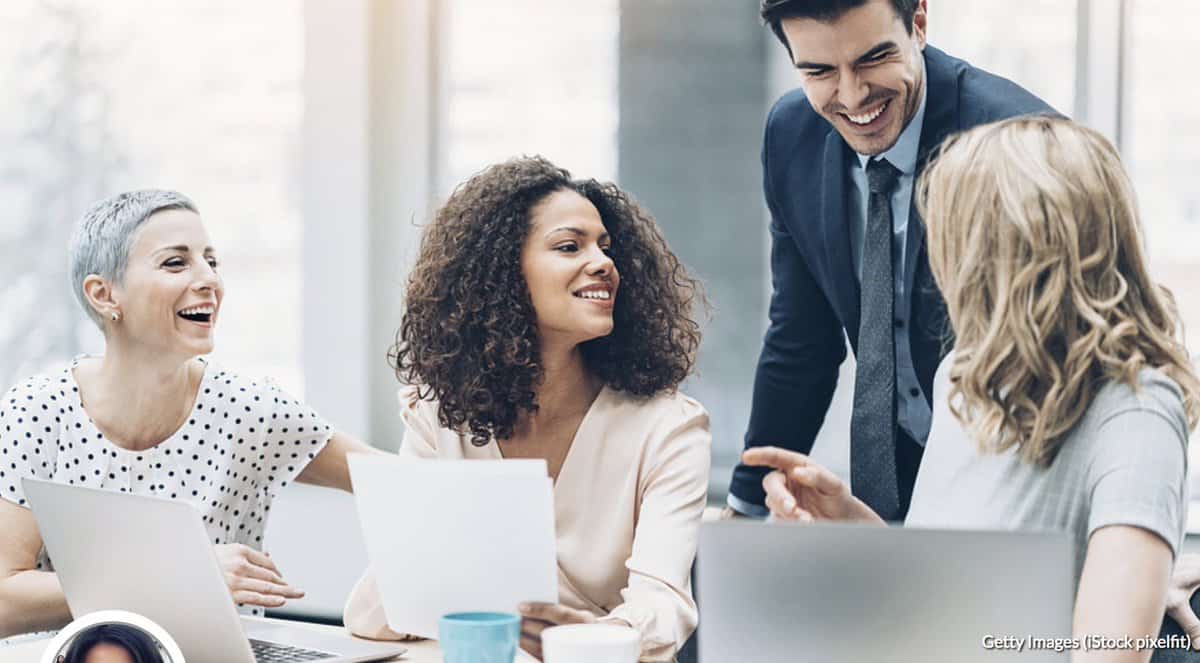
(113, 636)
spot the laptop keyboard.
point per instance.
(273, 652)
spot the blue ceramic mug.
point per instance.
(479, 637)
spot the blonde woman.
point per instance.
(1068, 400)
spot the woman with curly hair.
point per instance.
(1068, 399)
(547, 318)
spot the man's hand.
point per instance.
(252, 577)
(537, 617)
(1184, 582)
(800, 490)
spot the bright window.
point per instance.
(99, 98)
(1037, 52)
(1161, 137)
(529, 77)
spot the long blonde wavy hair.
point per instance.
(1034, 240)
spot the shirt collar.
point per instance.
(903, 155)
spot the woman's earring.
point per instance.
(116, 317)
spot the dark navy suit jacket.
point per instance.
(816, 289)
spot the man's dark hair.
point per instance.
(774, 11)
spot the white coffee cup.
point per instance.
(590, 643)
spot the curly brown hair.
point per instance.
(469, 334)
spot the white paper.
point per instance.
(448, 536)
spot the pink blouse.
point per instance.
(628, 502)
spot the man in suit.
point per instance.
(840, 157)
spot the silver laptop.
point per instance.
(152, 556)
(783, 592)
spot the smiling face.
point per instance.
(170, 295)
(863, 71)
(571, 279)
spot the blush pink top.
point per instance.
(628, 502)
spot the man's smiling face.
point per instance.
(862, 71)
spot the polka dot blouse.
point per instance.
(242, 442)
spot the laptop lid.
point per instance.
(152, 556)
(147, 555)
(782, 592)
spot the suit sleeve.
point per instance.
(798, 367)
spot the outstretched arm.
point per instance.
(797, 489)
(329, 468)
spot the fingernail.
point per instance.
(524, 607)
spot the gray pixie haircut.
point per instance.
(102, 238)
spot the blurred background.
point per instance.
(316, 136)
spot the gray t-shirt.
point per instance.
(1124, 463)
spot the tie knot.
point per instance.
(881, 176)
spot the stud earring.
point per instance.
(116, 317)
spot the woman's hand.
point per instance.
(1184, 582)
(252, 577)
(536, 617)
(800, 490)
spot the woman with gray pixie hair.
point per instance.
(151, 416)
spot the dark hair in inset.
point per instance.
(141, 647)
(469, 333)
(774, 11)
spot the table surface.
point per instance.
(421, 651)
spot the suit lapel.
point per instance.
(941, 120)
(836, 230)
(941, 102)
